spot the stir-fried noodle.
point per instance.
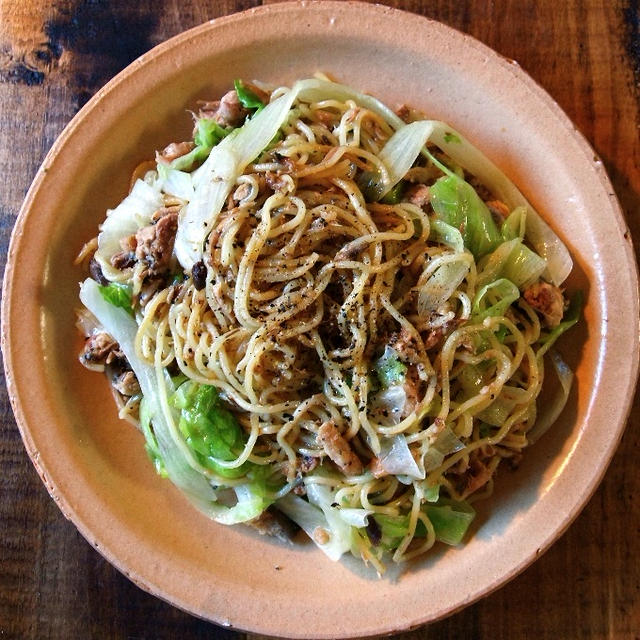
(359, 349)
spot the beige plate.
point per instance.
(94, 465)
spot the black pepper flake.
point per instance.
(96, 273)
(199, 275)
(373, 531)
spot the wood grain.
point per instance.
(55, 54)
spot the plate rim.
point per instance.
(148, 58)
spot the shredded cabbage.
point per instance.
(167, 444)
(131, 214)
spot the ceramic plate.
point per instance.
(95, 466)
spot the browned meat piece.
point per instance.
(165, 211)
(435, 337)
(126, 383)
(404, 113)
(273, 523)
(547, 300)
(208, 108)
(275, 181)
(480, 188)
(480, 476)
(227, 112)
(418, 194)
(175, 150)
(144, 239)
(338, 449)
(154, 243)
(307, 464)
(129, 243)
(405, 346)
(499, 209)
(325, 117)
(376, 468)
(123, 260)
(99, 349)
(127, 257)
(410, 387)
(241, 192)
(95, 270)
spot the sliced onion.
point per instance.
(176, 183)
(355, 517)
(390, 403)
(441, 285)
(396, 459)
(553, 409)
(543, 239)
(131, 214)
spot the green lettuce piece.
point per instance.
(394, 195)
(394, 528)
(117, 294)
(456, 203)
(515, 224)
(512, 260)
(569, 319)
(371, 185)
(248, 99)
(209, 428)
(446, 234)
(494, 299)
(196, 156)
(431, 493)
(209, 132)
(452, 137)
(450, 520)
(523, 266)
(389, 369)
(151, 442)
(207, 135)
(471, 378)
(497, 412)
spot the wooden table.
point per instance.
(54, 54)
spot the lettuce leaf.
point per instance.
(248, 99)
(457, 203)
(133, 213)
(117, 294)
(450, 520)
(151, 442)
(569, 319)
(512, 260)
(209, 428)
(209, 132)
(494, 299)
(389, 369)
(251, 497)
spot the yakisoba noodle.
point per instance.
(347, 327)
